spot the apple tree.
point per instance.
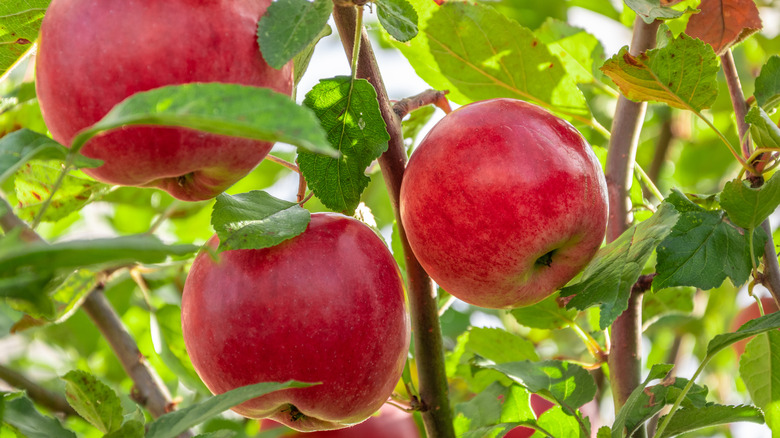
(134, 132)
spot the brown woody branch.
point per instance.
(429, 352)
(625, 354)
(771, 277)
(40, 395)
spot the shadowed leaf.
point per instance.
(724, 23)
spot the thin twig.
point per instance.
(149, 390)
(429, 353)
(44, 397)
(427, 97)
(771, 277)
(626, 352)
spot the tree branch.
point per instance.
(771, 278)
(149, 390)
(40, 395)
(429, 352)
(625, 355)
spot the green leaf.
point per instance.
(643, 403)
(21, 414)
(556, 422)
(176, 422)
(350, 114)
(20, 22)
(609, 277)
(690, 419)
(414, 124)
(289, 26)
(546, 314)
(477, 53)
(93, 400)
(499, 345)
(226, 109)
(651, 10)
(26, 292)
(767, 91)
(256, 220)
(130, 429)
(759, 368)
(494, 405)
(605, 432)
(36, 180)
(570, 385)
(703, 249)
(398, 17)
(492, 344)
(748, 207)
(749, 329)
(579, 51)
(683, 74)
(763, 130)
(41, 257)
(168, 342)
(302, 59)
(24, 145)
(64, 297)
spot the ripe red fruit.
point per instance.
(95, 53)
(325, 306)
(390, 423)
(503, 203)
(748, 313)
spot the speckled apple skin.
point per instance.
(494, 186)
(325, 306)
(95, 53)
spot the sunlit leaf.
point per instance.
(20, 22)
(93, 400)
(256, 220)
(350, 114)
(683, 74)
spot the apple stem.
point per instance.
(428, 345)
(625, 353)
(301, 197)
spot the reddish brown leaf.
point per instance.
(724, 23)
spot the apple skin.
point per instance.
(95, 53)
(491, 191)
(391, 422)
(325, 306)
(749, 313)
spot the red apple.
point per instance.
(503, 203)
(748, 313)
(95, 53)
(325, 306)
(539, 405)
(389, 423)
